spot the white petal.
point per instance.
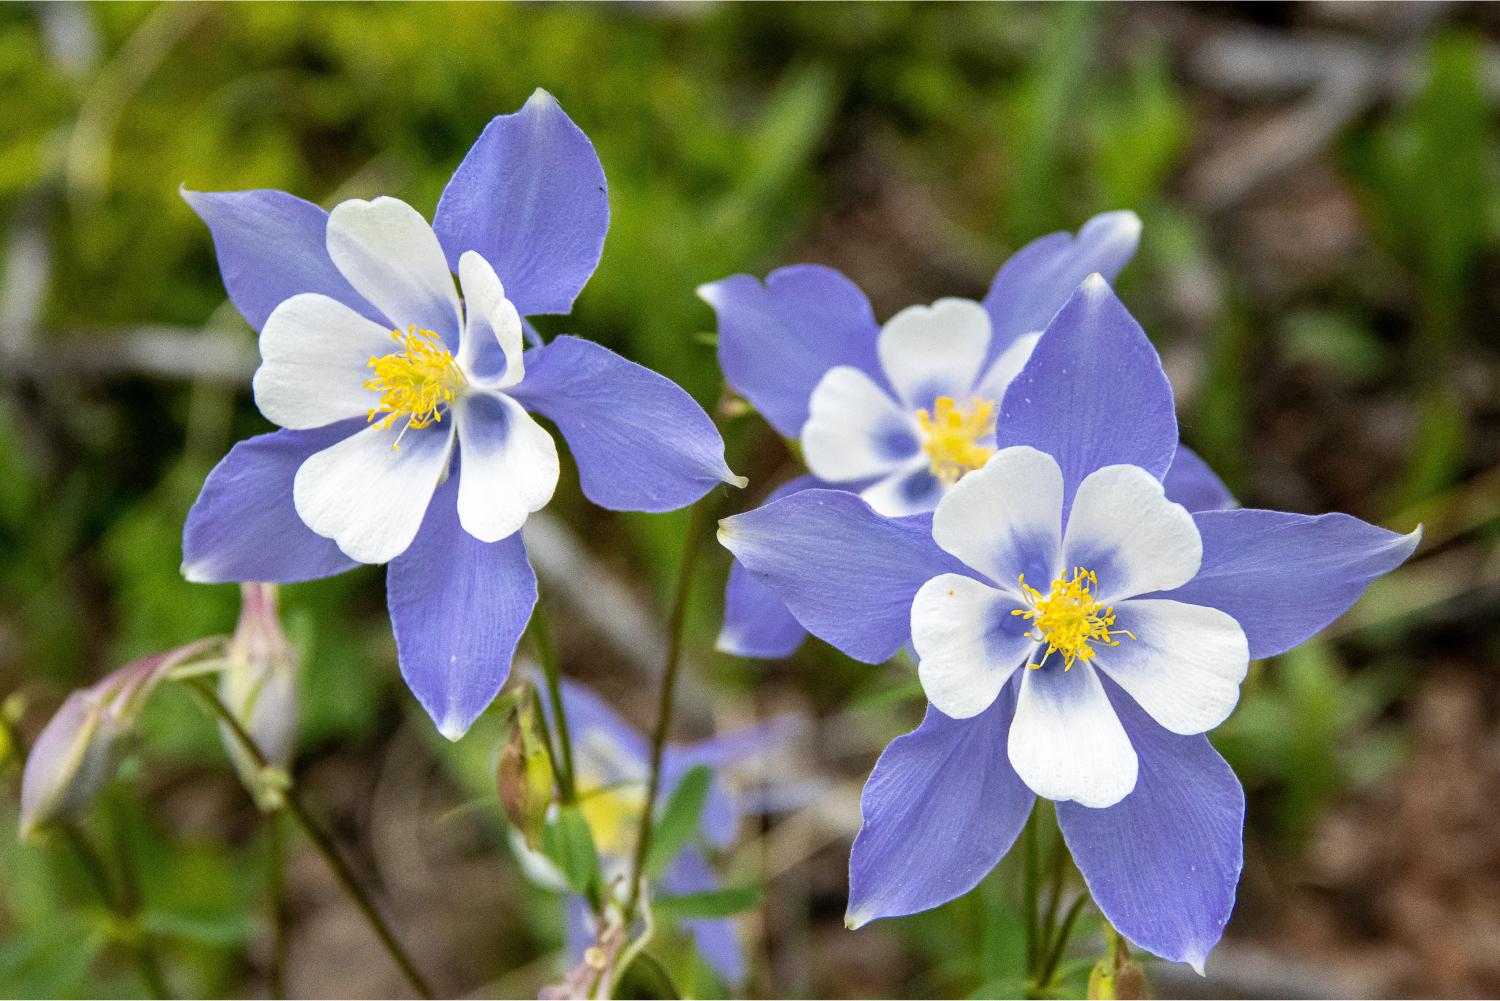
(932, 351)
(967, 641)
(315, 354)
(1066, 742)
(911, 489)
(392, 258)
(1185, 665)
(1005, 518)
(369, 497)
(1124, 529)
(507, 465)
(491, 321)
(1003, 370)
(854, 430)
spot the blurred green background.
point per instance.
(1318, 187)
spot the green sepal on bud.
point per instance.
(523, 776)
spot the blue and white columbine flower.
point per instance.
(406, 403)
(898, 413)
(613, 761)
(1077, 631)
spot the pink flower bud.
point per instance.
(75, 755)
(259, 685)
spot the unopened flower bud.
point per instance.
(75, 755)
(259, 685)
(1116, 977)
(524, 773)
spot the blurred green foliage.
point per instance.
(733, 139)
(1429, 179)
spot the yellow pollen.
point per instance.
(1069, 618)
(953, 432)
(417, 382)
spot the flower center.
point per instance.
(953, 431)
(613, 813)
(418, 382)
(1069, 618)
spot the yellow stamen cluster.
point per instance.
(953, 431)
(1069, 618)
(418, 382)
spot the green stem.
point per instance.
(567, 791)
(130, 906)
(93, 865)
(541, 638)
(320, 840)
(122, 908)
(1049, 970)
(554, 759)
(1031, 877)
(276, 900)
(675, 628)
(1054, 893)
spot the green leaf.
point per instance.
(679, 821)
(225, 929)
(569, 843)
(709, 904)
(645, 977)
(52, 959)
(1012, 986)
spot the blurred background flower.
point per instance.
(1317, 187)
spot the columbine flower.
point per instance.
(612, 762)
(1077, 633)
(408, 436)
(76, 753)
(259, 685)
(899, 413)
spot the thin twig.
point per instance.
(320, 841)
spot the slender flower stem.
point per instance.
(1049, 969)
(276, 899)
(320, 841)
(145, 957)
(541, 638)
(89, 860)
(566, 790)
(1030, 879)
(1054, 893)
(130, 906)
(122, 908)
(675, 628)
(554, 758)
